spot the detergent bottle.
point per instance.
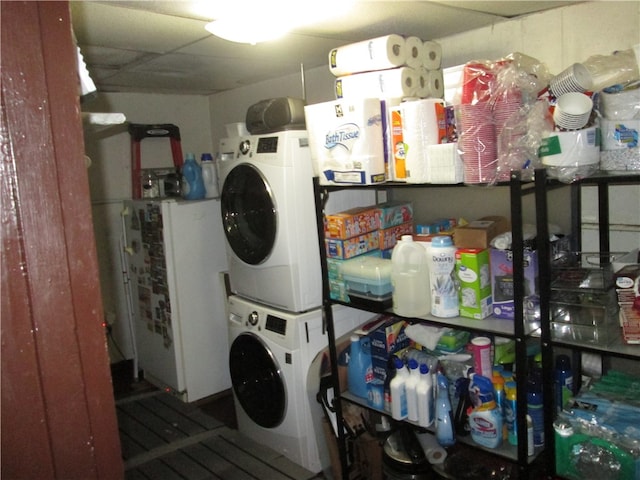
(192, 181)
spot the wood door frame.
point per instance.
(58, 411)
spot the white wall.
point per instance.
(557, 38)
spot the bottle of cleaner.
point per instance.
(442, 263)
(359, 367)
(410, 278)
(424, 393)
(209, 176)
(391, 373)
(399, 391)
(411, 385)
(444, 418)
(485, 419)
(498, 390)
(510, 411)
(535, 407)
(192, 182)
(563, 381)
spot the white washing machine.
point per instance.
(270, 354)
(268, 212)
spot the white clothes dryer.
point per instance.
(269, 217)
(271, 352)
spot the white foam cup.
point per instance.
(575, 78)
(572, 111)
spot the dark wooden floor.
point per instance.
(163, 438)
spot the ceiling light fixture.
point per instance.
(256, 21)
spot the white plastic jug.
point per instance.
(410, 278)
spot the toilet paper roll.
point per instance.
(392, 83)
(380, 53)
(423, 124)
(432, 449)
(415, 52)
(430, 83)
(431, 55)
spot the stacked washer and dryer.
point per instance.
(276, 327)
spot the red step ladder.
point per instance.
(139, 132)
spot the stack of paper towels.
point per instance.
(391, 66)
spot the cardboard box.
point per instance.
(474, 276)
(502, 280)
(479, 233)
(394, 213)
(351, 223)
(388, 237)
(386, 340)
(351, 247)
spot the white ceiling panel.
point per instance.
(162, 46)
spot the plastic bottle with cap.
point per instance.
(399, 391)
(563, 381)
(424, 394)
(444, 417)
(411, 385)
(192, 182)
(209, 176)
(444, 291)
(359, 367)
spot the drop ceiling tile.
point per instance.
(108, 25)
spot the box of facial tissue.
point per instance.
(502, 280)
(346, 141)
(474, 276)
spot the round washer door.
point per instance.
(248, 214)
(257, 380)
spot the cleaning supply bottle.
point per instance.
(359, 367)
(410, 278)
(510, 411)
(563, 381)
(535, 407)
(192, 182)
(391, 373)
(444, 418)
(411, 385)
(485, 419)
(209, 176)
(498, 390)
(399, 391)
(442, 264)
(424, 393)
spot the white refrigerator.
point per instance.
(176, 254)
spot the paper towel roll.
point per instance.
(432, 449)
(379, 53)
(423, 124)
(430, 83)
(415, 52)
(431, 55)
(392, 83)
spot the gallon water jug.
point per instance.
(410, 278)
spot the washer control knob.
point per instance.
(245, 146)
(253, 318)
